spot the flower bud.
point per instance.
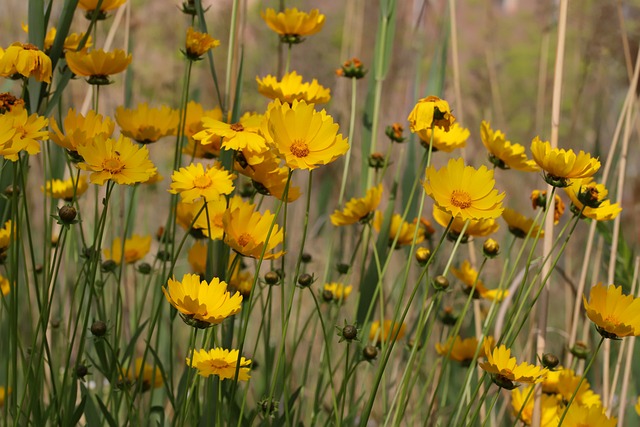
(349, 333)
(377, 160)
(98, 328)
(272, 278)
(550, 360)
(342, 268)
(490, 248)
(327, 295)
(144, 268)
(447, 316)
(580, 350)
(108, 266)
(394, 133)
(440, 283)
(422, 256)
(67, 214)
(306, 258)
(352, 69)
(370, 352)
(503, 382)
(305, 280)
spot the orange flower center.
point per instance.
(460, 199)
(237, 127)
(219, 363)
(202, 182)
(130, 254)
(506, 372)
(29, 46)
(299, 149)
(612, 319)
(244, 239)
(113, 165)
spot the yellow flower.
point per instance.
(464, 192)
(27, 60)
(338, 291)
(505, 369)
(213, 228)
(292, 24)
(71, 42)
(539, 199)
(447, 141)
(147, 125)
(468, 276)
(562, 165)
(198, 44)
(549, 405)
(28, 131)
(90, 5)
(240, 280)
(118, 160)
(404, 230)
(637, 407)
(431, 112)
(593, 416)
(135, 248)
(202, 304)
(303, 137)
(197, 257)
(97, 64)
(66, 190)
(358, 209)
(5, 237)
(476, 228)
(220, 362)
(502, 153)
(568, 383)
(193, 120)
(615, 315)
(150, 375)
(195, 182)
(390, 331)
(292, 88)
(5, 287)
(7, 103)
(462, 350)
(246, 231)
(3, 394)
(519, 225)
(80, 130)
(268, 177)
(587, 190)
(244, 135)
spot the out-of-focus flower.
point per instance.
(292, 88)
(394, 132)
(521, 226)
(549, 407)
(267, 176)
(8, 102)
(615, 315)
(212, 227)
(147, 125)
(462, 350)
(561, 165)
(352, 69)
(198, 44)
(244, 135)
(568, 383)
(27, 60)
(71, 42)
(358, 209)
(246, 231)
(67, 190)
(90, 6)
(403, 229)
(135, 248)
(97, 64)
(390, 331)
(502, 153)
(292, 25)
(338, 291)
(195, 182)
(468, 276)
(475, 228)
(5, 288)
(539, 200)
(80, 130)
(580, 416)
(220, 362)
(447, 141)
(151, 377)
(431, 112)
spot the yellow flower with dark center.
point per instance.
(135, 248)
(431, 112)
(463, 191)
(220, 362)
(97, 64)
(587, 190)
(244, 135)
(67, 190)
(615, 315)
(292, 88)
(80, 129)
(462, 350)
(339, 291)
(91, 5)
(539, 200)
(5, 288)
(27, 60)
(213, 228)
(468, 276)
(202, 304)
(118, 160)
(198, 44)
(404, 230)
(147, 125)
(568, 383)
(29, 130)
(446, 141)
(267, 177)
(150, 376)
(502, 153)
(246, 231)
(593, 416)
(505, 369)
(390, 331)
(561, 165)
(292, 24)
(549, 405)
(195, 182)
(475, 228)
(519, 225)
(358, 209)
(302, 136)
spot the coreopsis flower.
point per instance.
(186, 216)
(593, 416)
(561, 165)
(5, 237)
(292, 25)
(505, 370)
(135, 248)
(71, 42)
(521, 226)
(431, 112)
(462, 350)
(197, 44)
(147, 125)
(212, 227)
(446, 141)
(614, 314)
(590, 198)
(352, 69)
(539, 200)
(502, 153)
(475, 228)
(5, 288)
(67, 190)
(390, 331)
(339, 291)
(468, 276)
(193, 120)
(29, 130)
(303, 137)
(27, 60)
(118, 160)
(246, 231)
(292, 88)
(358, 209)
(463, 191)
(90, 6)
(8, 102)
(150, 376)
(568, 383)
(4, 392)
(244, 135)
(403, 229)
(549, 407)
(80, 130)
(201, 303)
(220, 362)
(195, 182)
(268, 177)
(97, 64)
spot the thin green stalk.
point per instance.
(352, 122)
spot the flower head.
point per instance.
(5, 238)
(5, 288)
(151, 376)
(505, 369)
(352, 69)
(28, 131)
(521, 226)
(586, 189)
(389, 331)
(561, 165)
(462, 350)
(431, 112)
(67, 190)
(27, 60)
(268, 177)
(97, 64)
(147, 125)
(220, 362)
(135, 248)
(302, 136)
(195, 182)
(358, 209)
(212, 227)
(71, 42)
(615, 315)
(247, 231)
(244, 135)
(8, 102)
(469, 276)
(338, 291)
(524, 407)
(201, 303)
(463, 191)
(539, 200)
(292, 88)
(292, 24)
(592, 416)
(502, 153)
(403, 229)
(198, 44)
(567, 383)
(447, 141)
(80, 129)
(475, 228)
